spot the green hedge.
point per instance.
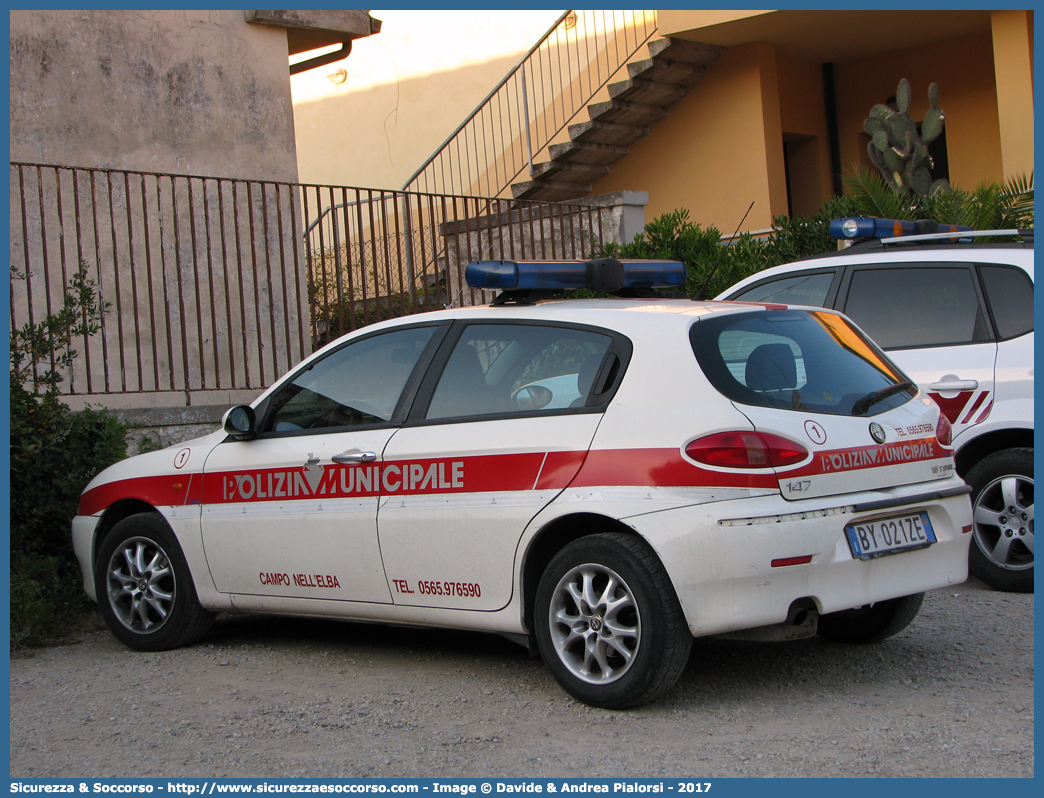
(54, 454)
(673, 237)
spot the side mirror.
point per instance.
(239, 422)
(533, 397)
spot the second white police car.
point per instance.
(956, 315)
(601, 479)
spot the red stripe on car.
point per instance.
(986, 412)
(170, 490)
(953, 407)
(975, 406)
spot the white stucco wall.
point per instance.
(406, 91)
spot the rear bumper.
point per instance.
(720, 556)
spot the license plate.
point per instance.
(882, 536)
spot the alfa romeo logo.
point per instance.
(877, 432)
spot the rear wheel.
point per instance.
(608, 623)
(144, 588)
(872, 623)
(1001, 554)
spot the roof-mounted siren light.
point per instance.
(857, 228)
(608, 275)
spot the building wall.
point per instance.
(196, 92)
(406, 90)
(183, 92)
(967, 93)
(718, 149)
(1013, 57)
(805, 135)
(722, 145)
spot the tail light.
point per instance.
(944, 430)
(745, 450)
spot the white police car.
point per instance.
(957, 317)
(717, 468)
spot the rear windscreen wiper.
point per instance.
(879, 395)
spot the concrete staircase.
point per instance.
(654, 84)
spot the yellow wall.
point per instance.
(719, 148)
(679, 21)
(967, 93)
(1013, 49)
(803, 119)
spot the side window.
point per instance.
(360, 383)
(911, 307)
(801, 289)
(1009, 291)
(508, 368)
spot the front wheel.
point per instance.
(608, 622)
(872, 623)
(1001, 553)
(144, 588)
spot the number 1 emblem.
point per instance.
(815, 433)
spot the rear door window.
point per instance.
(812, 362)
(908, 307)
(508, 369)
(1009, 291)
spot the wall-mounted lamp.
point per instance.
(570, 20)
(338, 76)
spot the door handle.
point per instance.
(956, 385)
(354, 456)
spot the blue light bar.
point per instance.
(526, 275)
(853, 227)
(653, 273)
(603, 274)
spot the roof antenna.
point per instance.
(699, 294)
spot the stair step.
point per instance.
(607, 133)
(672, 72)
(569, 172)
(685, 51)
(579, 152)
(626, 113)
(654, 84)
(647, 91)
(551, 190)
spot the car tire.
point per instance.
(144, 588)
(872, 623)
(1001, 554)
(608, 623)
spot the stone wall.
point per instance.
(191, 92)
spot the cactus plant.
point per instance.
(896, 149)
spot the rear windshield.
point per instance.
(809, 361)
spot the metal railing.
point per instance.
(218, 284)
(534, 103)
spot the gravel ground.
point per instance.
(952, 696)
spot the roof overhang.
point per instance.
(827, 35)
(312, 30)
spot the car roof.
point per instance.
(1008, 254)
(631, 317)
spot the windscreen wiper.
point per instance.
(872, 398)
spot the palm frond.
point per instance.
(1017, 202)
(875, 198)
